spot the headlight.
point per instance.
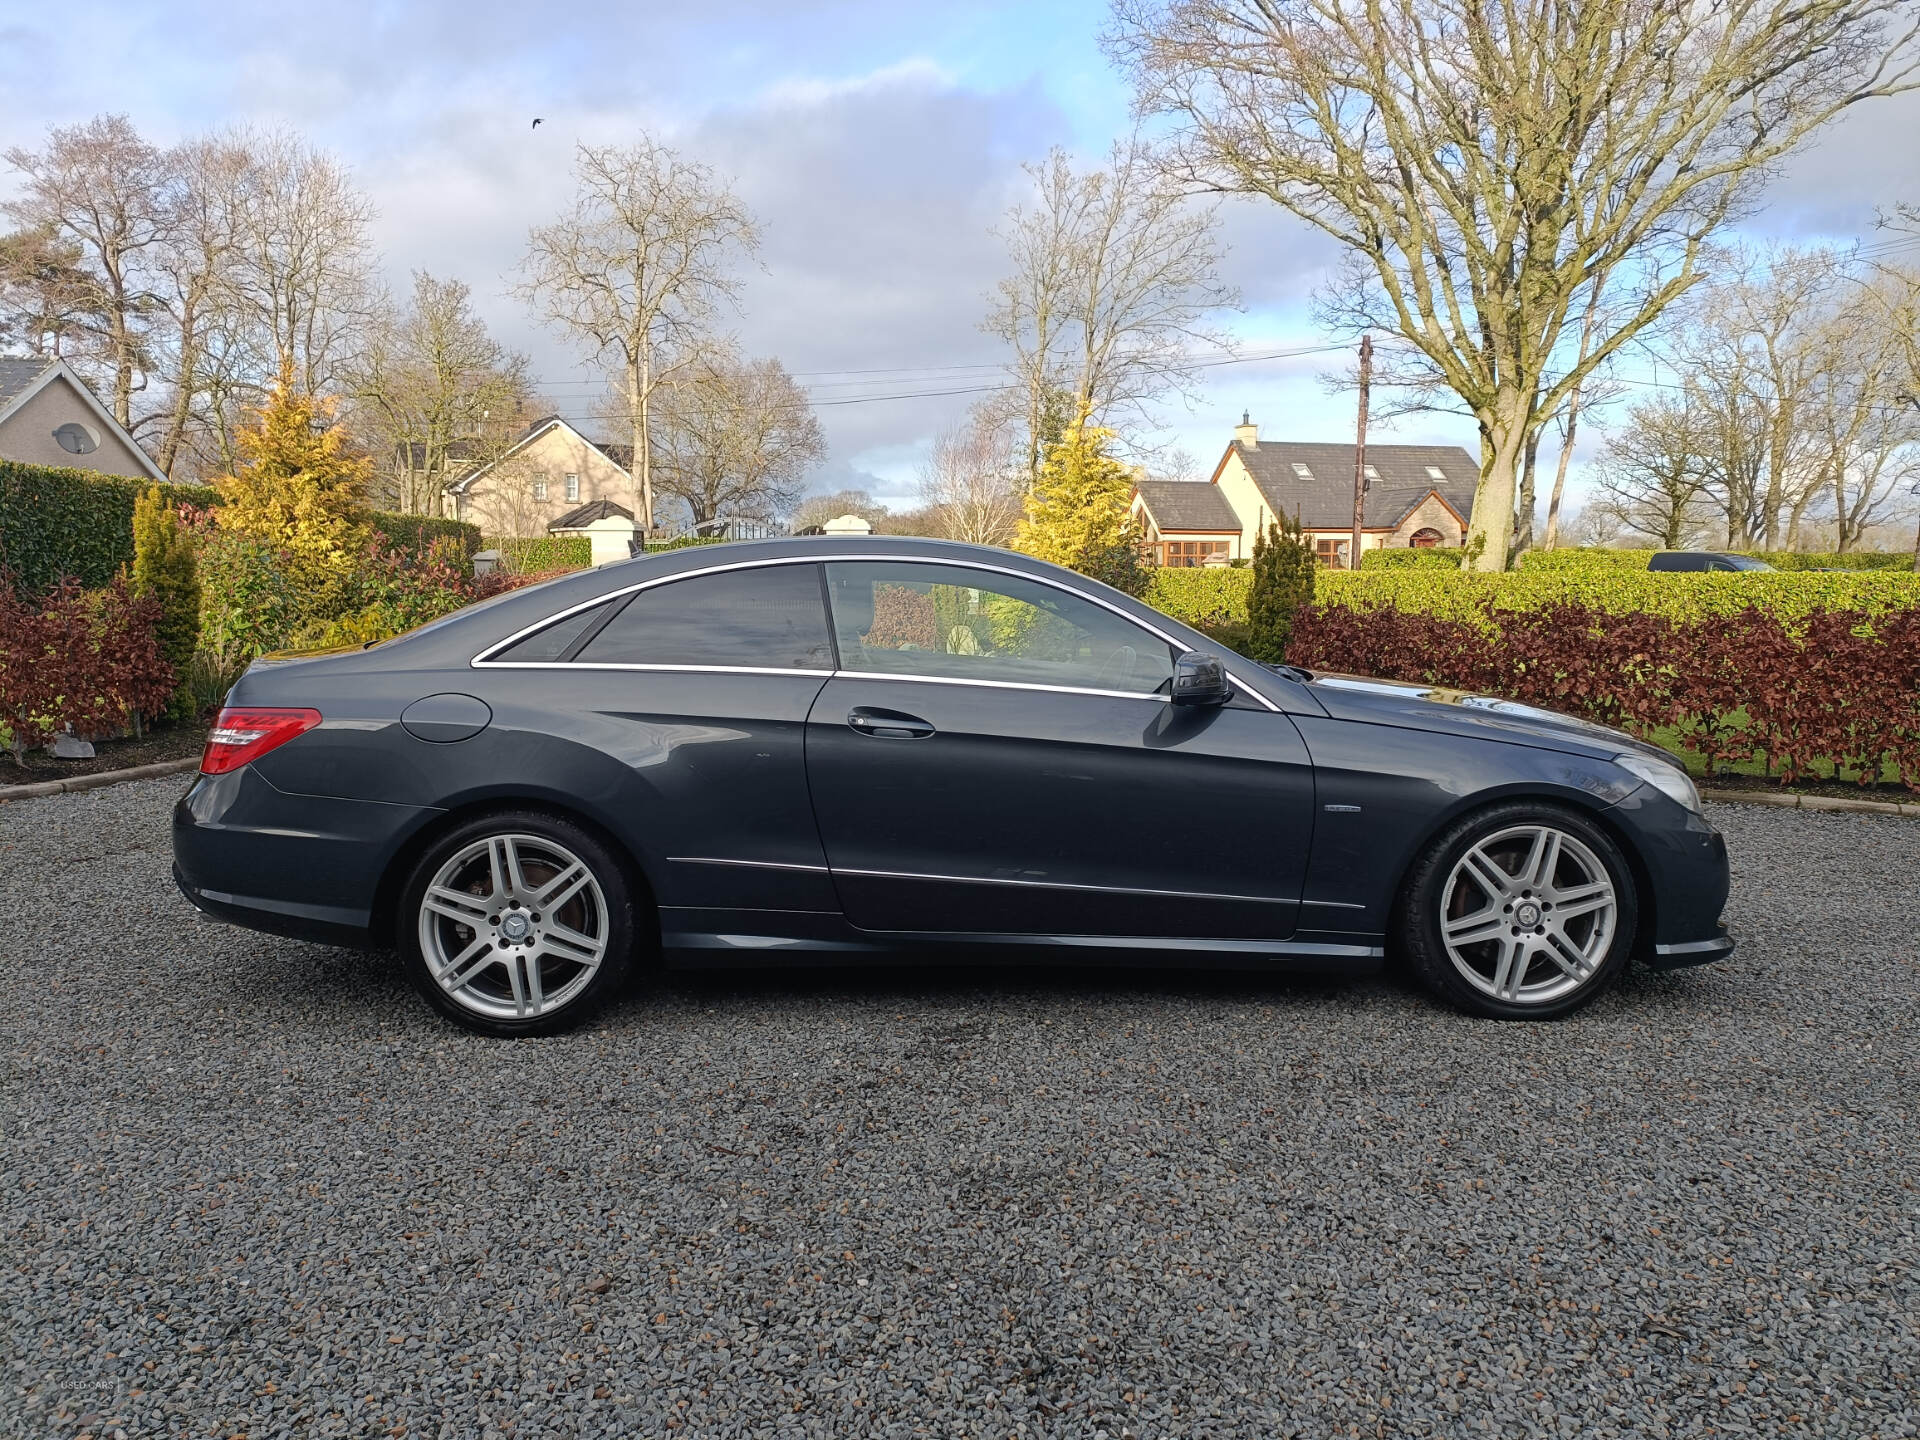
(1670, 780)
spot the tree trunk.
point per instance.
(1503, 433)
(638, 373)
(1560, 471)
(1523, 516)
(182, 402)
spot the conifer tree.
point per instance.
(1077, 512)
(165, 568)
(1283, 571)
(302, 490)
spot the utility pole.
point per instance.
(1360, 455)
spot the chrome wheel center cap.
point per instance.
(1526, 915)
(515, 926)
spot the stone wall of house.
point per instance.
(507, 500)
(27, 434)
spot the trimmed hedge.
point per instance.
(415, 534)
(1438, 557)
(1591, 559)
(1209, 599)
(529, 555)
(1840, 689)
(79, 523)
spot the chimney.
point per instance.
(1246, 434)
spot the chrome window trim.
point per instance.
(484, 661)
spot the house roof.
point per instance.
(21, 380)
(1324, 495)
(17, 375)
(619, 455)
(1187, 505)
(582, 516)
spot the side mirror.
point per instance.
(1200, 679)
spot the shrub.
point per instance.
(415, 534)
(1209, 598)
(1584, 558)
(165, 569)
(1283, 580)
(1592, 558)
(1437, 557)
(541, 554)
(1840, 687)
(78, 523)
(84, 660)
(1078, 513)
(247, 603)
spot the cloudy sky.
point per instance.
(878, 142)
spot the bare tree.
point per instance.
(1114, 277)
(1655, 475)
(735, 438)
(98, 187)
(818, 509)
(429, 383)
(973, 482)
(204, 353)
(636, 270)
(308, 277)
(1489, 163)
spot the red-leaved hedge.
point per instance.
(1840, 687)
(85, 659)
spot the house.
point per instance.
(551, 469)
(1417, 495)
(50, 416)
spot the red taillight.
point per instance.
(242, 735)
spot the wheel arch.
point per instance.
(1581, 803)
(386, 899)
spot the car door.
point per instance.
(997, 754)
(700, 686)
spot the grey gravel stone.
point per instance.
(252, 1187)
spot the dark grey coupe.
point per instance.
(795, 750)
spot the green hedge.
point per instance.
(1209, 599)
(1592, 559)
(56, 522)
(535, 555)
(682, 542)
(415, 534)
(1439, 557)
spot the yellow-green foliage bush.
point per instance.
(1592, 559)
(1209, 599)
(1435, 557)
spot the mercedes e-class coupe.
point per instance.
(782, 751)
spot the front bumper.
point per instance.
(305, 866)
(1687, 880)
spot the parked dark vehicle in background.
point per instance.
(1695, 561)
(781, 751)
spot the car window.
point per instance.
(1745, 563)
(770, 616)
(948, 621)
(552, 643)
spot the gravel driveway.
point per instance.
(252, 1187)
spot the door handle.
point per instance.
(888, 724)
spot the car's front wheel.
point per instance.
(1523, 912)
(517, 924)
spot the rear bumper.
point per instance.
(305, 866)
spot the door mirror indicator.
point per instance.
(1200, 679)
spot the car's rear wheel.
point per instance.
(1523, 912)
(517, 924)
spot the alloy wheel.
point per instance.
(1528, 914)
(513, 927)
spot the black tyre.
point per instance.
(1526, 911)
(517, 923)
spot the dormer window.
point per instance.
(1300, 469)
(76, 439)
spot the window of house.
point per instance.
(950, 622)
(76, 439)
(1425, 539)
(539, 489)
(1185, 554)
(1330, 551)
(770, 617)
(573, 489)
(1434, 472)
(1300, 469)
(1371, 473)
